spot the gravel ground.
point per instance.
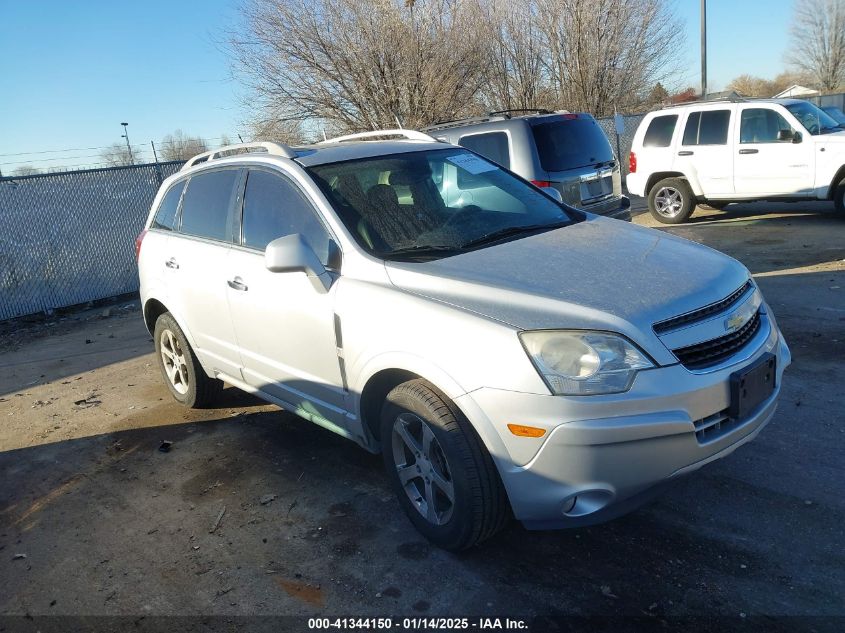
(253, 511)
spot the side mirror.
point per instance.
(553, 193)
(291, 254)
(786, 135)
(796, 138)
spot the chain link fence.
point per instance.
(622, 143)
(68, 238)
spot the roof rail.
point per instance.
(274, 149)
(497, 115)
(713, 100)
(409, 134)
(507, 113)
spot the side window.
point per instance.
(660, 130)
(165, 217)
(205, 207)
(493, 146)
(274, 207)
(761, 125)
(707, 127)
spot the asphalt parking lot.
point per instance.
(255, 511)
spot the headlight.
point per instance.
(581, 363)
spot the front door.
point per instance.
(285, 328)
(766, 158)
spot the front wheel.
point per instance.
(441, 472)
(671, 201)
(184, 376)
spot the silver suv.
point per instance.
(500, 351)
(565, 151)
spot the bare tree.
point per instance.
(180, 146)
(516, 74)
(117, 155)
(267, 127)
(362, 64)
(25, 170)
(606, 54)
(818, 41)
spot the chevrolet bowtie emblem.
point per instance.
(734, 322)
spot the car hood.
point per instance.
(599, 274)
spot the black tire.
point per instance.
(839, 198)
(680, 201)
(480, 506)
(191, 387)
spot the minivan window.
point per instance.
(205, 207)
(570, 143)
(761, 125)
(274, 207)
(165, 217)
(707, 127)
(492, 145)
(660, 131)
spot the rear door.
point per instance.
(766, 165)
(197, 267)
(704, 152)
(655, 154)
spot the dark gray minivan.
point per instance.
(567, 151)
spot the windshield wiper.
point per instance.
(511, 231)
(419, 251)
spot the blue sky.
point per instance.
(74, 70)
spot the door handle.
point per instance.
(171, 263)
(686, 152)
(748, 151)
(237, 284)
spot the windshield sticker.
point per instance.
(472, 163)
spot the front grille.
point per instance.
(714, 426)
(702, 313)
(714, 351)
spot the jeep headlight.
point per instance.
(581, 363)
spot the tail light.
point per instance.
(138, 241)
(541, 183)
(632, 163)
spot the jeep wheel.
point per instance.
(670, 201)
(182, 372)
(443, 475)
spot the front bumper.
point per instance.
(613, 453)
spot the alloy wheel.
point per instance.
(174, 361)
(668, 202)
(423, 469)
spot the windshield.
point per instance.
(434, 203)
(816, 120)
(571, 142)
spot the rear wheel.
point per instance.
(441, 472)
(839, 197)
(182, 372)
(671, 201)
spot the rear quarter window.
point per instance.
(492, 145)
(660, 130)
(165, 217)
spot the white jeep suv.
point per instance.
(499, 350)
(720, 152)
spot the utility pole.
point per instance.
(129, 147)
(703, 49)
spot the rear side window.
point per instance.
(660, 131)
(709, 127)
(493, 146)
(205, 207)
(570, 143)
(165, 217)
(273, 208)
